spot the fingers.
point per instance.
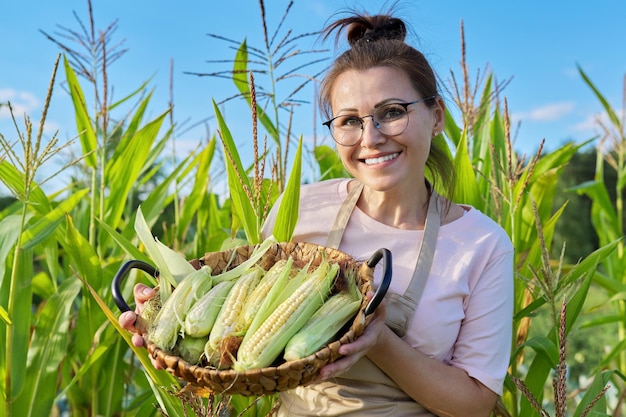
(354, 351)
(137, 340)
(129, 319)
(143, 293)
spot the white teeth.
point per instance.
(372, 161)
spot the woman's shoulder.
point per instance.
(324, 192)
(331, 187)
(475, 225)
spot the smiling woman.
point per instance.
(441, 344)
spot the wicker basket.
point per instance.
(286, 375)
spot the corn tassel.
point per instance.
(226, 321)
(201, 318)
(261, 347)
(169, 321)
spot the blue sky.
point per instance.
(536, 44)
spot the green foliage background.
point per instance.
(63, 349)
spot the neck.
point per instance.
(396, 208)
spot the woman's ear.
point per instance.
(439, 111)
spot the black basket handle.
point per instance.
(385, 255)
(122, 274)
(382, 253)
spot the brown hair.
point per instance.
(379, 41)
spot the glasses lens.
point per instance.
(392, 119)
(346, 130)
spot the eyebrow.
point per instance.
(386, 101)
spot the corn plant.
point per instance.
(518, 192)
(607, 216)
(28, 362)
(278, 67)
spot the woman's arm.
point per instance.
(482, 349)
(443, 389)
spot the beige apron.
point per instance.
(365, 390)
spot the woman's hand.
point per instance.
(127, 319)
(360, 347)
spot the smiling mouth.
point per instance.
(381, 159)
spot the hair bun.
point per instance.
(374, 28)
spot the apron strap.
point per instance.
(400, 308)
(342, 218)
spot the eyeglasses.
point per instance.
(390, 120)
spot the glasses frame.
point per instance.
(329, 122)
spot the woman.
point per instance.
(440, 343)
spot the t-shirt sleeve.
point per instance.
(483, 347)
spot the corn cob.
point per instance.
(169, 321)
(261, 347)
(288, 283)
(226, 321)
(201, 318)
(275, 277)
(322, 326)
(191, 349)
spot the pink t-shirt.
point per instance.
(464, 317)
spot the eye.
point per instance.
(390, 113)
(348, 122)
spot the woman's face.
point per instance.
(385, 163)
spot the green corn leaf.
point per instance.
(138, 91)
(83, 256)
(538, 372)
(603, 215)
(14, 180)
(172, 266)
(21, 293)
(575, 304)
(132, 127)
(128, 246)
(195, 198)
(160, 196)
(46, 226)
(47, 349)
(482, 113)
(95, 356)
(84, 127)
(466, 188)
(213, 220)
(329, 163)
(590, 263)
(160, 380)
(4, 316)
(453, 132)
(607, 107)
(544, 346)
(600, 381)
(124, 171)
(238, 182)
(9, 234)
(287, 216)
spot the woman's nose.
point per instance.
(370, 132)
